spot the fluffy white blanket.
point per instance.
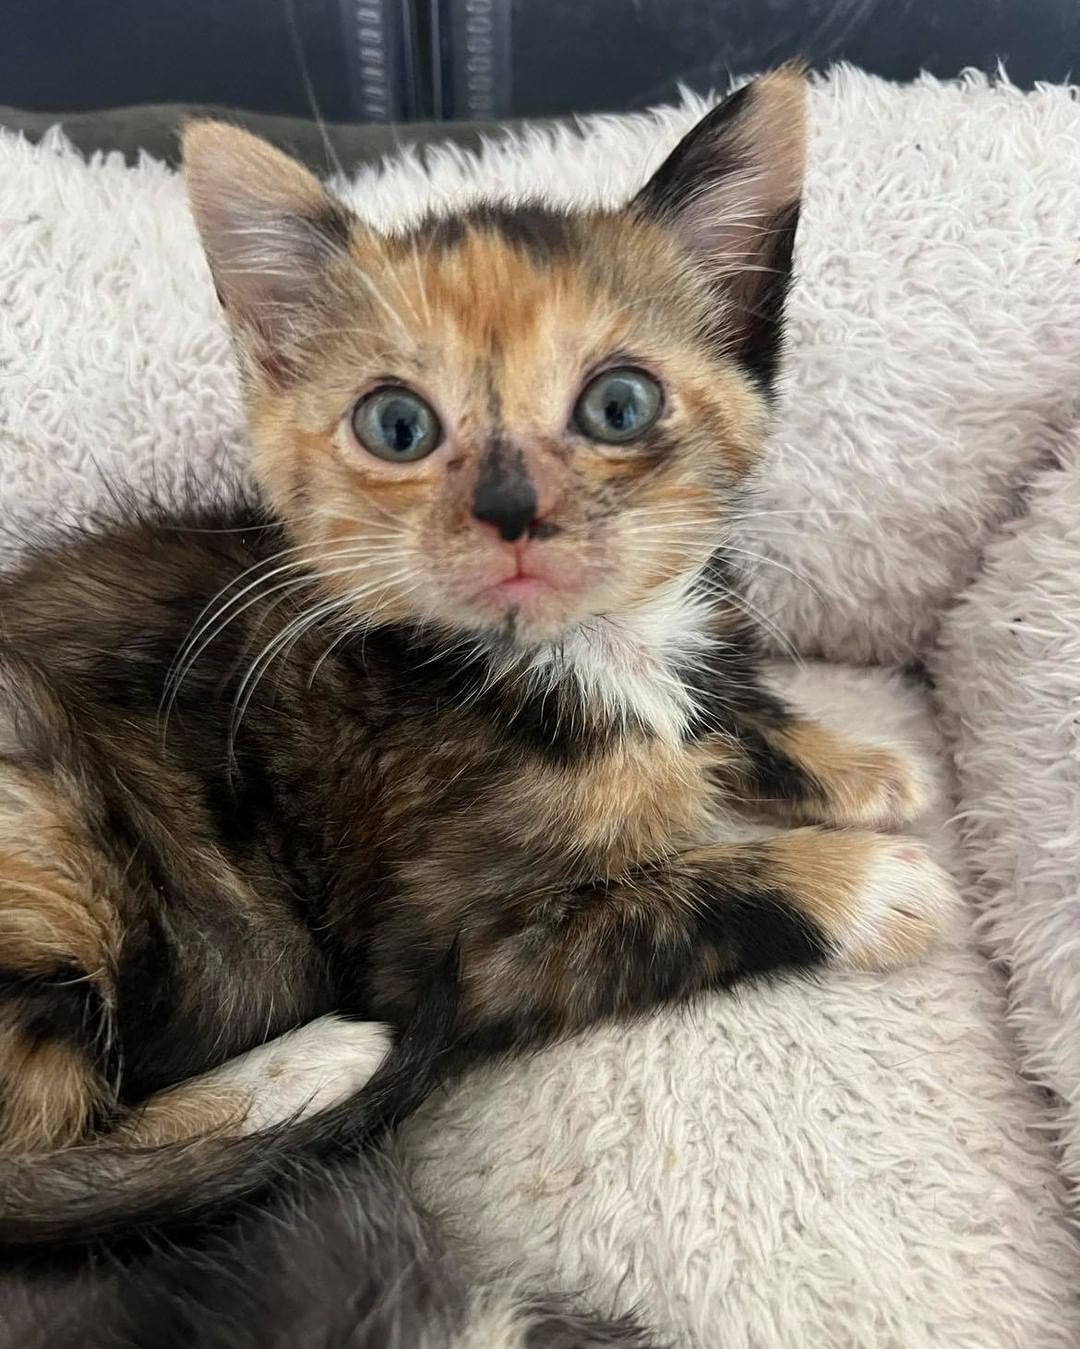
(1008, 667)
(853, 1163)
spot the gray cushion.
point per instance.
(154, 129)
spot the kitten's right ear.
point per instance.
(730, 192)
(270, 231)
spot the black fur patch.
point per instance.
(334, 224)
(535, 229)
(444, 679)
(699, 159)
(147, 987)
(773, 775)
(761, 930)
(241, 798)
(62, 1005)
(440, 233)
(762, 326)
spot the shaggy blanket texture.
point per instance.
(1009, 675)
(856, 1162)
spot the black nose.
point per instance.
(505, 498)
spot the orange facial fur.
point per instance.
(497, 318)
(500, 344)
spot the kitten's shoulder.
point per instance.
(143, 559)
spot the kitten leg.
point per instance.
(300, 1073)
(705, 918)
(59, 944)
(796, 767)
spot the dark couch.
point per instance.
(121, 72)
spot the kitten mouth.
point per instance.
(525, 604)
(537, 593)
(523, 594)
(522, 585)
(525, 585)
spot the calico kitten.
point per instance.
(472, 669)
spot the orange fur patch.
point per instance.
(863, 785)
(55, 907)
(633, 804)
(196, 1109)
(50, 1092)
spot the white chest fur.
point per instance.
(627, 667)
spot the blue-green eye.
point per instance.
(397, 425)
(618, 406)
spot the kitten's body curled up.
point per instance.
(470, 674)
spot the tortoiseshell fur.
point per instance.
(265, 761)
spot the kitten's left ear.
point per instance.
(271, 233)
(730, 192)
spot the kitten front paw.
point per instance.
(901, 905)
(879, 789)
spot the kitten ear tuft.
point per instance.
(730, 192)
(269, 229)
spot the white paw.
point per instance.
(903, 903)
(305, 1070)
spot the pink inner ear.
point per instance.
(736, 171)
(725, 217)
(278, 371)
(263, 261)
(268, 226)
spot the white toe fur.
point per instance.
(905, 901)
(305, 1070)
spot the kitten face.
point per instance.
(416, 402)
(500, 343)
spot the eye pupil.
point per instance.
(401, 432)
(620, 414)
(618, 406)
(396, 424)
